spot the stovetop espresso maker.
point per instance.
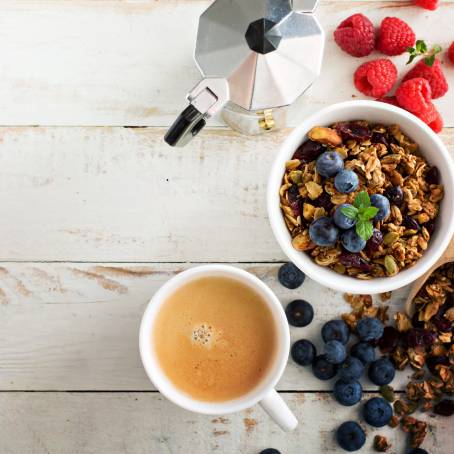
(256, 58)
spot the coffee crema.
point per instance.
(215, 338)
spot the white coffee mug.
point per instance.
(264, 393)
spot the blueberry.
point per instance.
(377, 412)
(351, 369)
(335, 330)
(350, 436)
(341, 220)
(303, 352)
(417, 451)
(335, 352)
(299, 313)
(381, 372)
(364, 352)
(346, 181)
(323, 232)
(322, 369)
(290, 276)
(369, 328)
(352, 241)
(347, 393)
(395, 195)
(270, 451)
(329, 164)
(382, 203)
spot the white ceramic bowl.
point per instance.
(433, 150)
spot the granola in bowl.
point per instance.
(359, 198)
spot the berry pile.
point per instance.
(356, 36)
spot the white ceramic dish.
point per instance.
(431, 147)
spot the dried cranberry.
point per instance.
(395, 195)
(293, 196)
(441, 323)
(433, 176)
(445, 407)
(324, 201)
(418, 337)
(430, 226)
(445, 306)
(355, 260)
(416, 322)
(378, 137)
(308, 151)
(374, 242)
(410, 223)
(353, 130)
(433, 361)
(389, 340)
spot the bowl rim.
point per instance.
(302, 260)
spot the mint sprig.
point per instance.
(363, 212)
(421, 50)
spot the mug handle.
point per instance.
(278, 410)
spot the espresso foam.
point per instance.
(215, 338)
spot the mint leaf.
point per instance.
(421, 50)
(369, 213)
(421, 46)
(364, 229)
(362, 200)
(429, 61)
(350, 212)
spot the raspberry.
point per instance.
(356, 35)
(432, 118)
(389, 100)
(427, 4)
(414, 95)
(375, 78)
(394, 36)
(437, 124)
(433, 74)
(451, 52)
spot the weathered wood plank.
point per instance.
(75, 326)
(135, 423)
(121, 194)
(130, 63)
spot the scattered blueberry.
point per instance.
(417, 451)
(369, 328)
(341, 220)
(322, 369)
(323, 231)
(364, 352)
(335, 352)
(299, 313)
(335, 330)
(347, 393)
(290, 276)
(377, 412)
(350, 436)
(352, 241)
(382, 203)
(303, 352)
(329, 164)
(381, 372)
(351, 369)
(346, 181)
(395, 195)
(270, 451)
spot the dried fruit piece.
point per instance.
(353, 130)
(381, 443)
(445, 407)
(308, 151)
(326, 136)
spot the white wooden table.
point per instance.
(96, 214)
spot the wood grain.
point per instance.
(74, 326)
(130, 63)
(121, 194)
(137, 423)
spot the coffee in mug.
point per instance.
(215, 338)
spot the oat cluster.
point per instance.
(387, 162)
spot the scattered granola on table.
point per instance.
(360, 199)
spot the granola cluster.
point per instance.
(386, 162)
